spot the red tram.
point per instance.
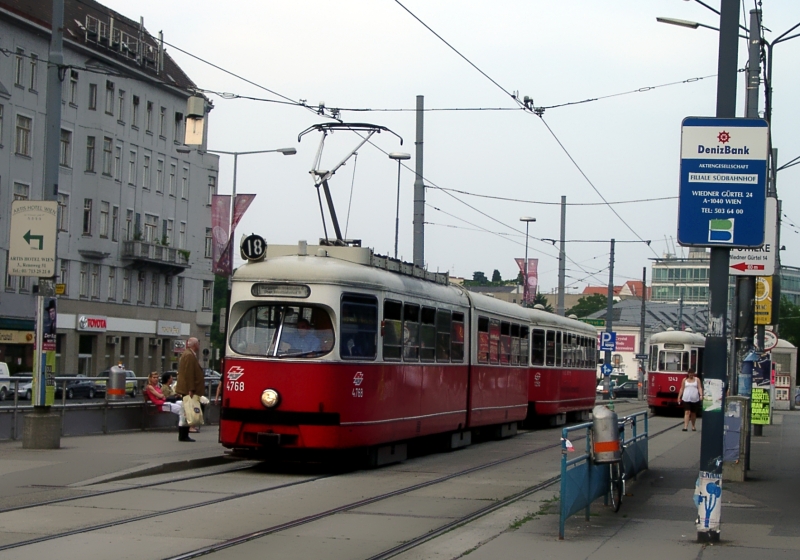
(340, 349)
(672, 353)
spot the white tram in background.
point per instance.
(333, 347)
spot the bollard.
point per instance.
(605, 436)
(115, 386)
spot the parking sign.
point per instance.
(608, 341)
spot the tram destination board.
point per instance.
(722, 182)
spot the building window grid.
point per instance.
(126, 286)
(63, 275)
(168, 291)
(73, 87)
(110, 98)
(118, 164)
(149, 117)
(209, 243)
(34, 72)
(21, 191)
(160, 176)
(146, 172)
(154, 288)
(121, 106)
(135, 111)
(182, 236)
(92, 97)
(95, 281)
(115, 223)
(65, 152)
(185, 184)
(150, 227)
(162, 121)
(23, 140)
(212, 189)
(108, 156)
(180, 292)
(11, 281)
(208, 287)
(104, 211)
(87, 216)
(111, 294)
(25, 284)
(63, 212)
(132, 169)
(129, 233)
(140, 287)
(90, 153)
(173, 171)
(19, 68)
(83, 284)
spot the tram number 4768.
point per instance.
(358, 392)
(237, 386)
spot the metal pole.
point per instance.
(419, 191)
(525, 268)
(716, 352)
(642, 379)
(397, 212)
(562, 257)
(609, 317)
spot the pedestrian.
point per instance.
(191, 380)
(155, 394)
(168, 386)
(691, 394)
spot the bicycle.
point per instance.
(617, 475)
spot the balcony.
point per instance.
(154, 256)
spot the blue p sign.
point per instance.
(608, 341)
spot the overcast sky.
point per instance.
(374, 54)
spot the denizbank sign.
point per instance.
(723, 182)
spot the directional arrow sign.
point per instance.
(742, 266)
(40, 238)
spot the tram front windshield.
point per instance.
(283, 331)
(673, 361)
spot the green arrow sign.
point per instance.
(28, 237)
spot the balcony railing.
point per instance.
(155, 254)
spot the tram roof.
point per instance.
(678, 337)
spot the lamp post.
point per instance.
(399, 157)
(527, 220)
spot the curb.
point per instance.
(149, 469)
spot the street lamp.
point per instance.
(527, 220)
(400, 157)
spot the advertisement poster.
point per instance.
(49, 329)
(759, 406)
(712, 395)
(707, 492)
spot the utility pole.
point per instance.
(562, 257)
(716, 351)
(609, 318)
(642, 364)
(419, 190)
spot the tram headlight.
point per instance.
(270, 398)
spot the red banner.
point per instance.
(241, 205)
(220, 233)
(533, 276)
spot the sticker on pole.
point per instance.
(723, 182)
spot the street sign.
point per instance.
(763, 307)
(770, 341)
(642, 356)
(253, 247)
(594, 322)
(608, 341)
(606, 369)
(759, 261)
(723, 182)
(32, 247)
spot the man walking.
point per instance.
(191, 381)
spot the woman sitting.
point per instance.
(153, 393)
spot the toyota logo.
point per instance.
(83, 322)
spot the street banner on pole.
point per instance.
(533, 276)
(220, 232)
(241, 204)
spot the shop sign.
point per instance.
(168, 328)
(16, 337)
(92, 323)
(178, 346)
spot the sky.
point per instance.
(374, 54)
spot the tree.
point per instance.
(496, 276)
(479, 277)
(789, 321)
(541, 299)
(588, 305)
(220, 306)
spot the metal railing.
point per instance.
(95, 416)
(583, 481)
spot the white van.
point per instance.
(4, 383)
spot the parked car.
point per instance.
(213, 378)
(131, 383)
(77, 388)
(25, 391)
(627, 390)
(5, 386)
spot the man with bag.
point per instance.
(190, 386)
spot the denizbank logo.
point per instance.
(720, 231)
(723, 138)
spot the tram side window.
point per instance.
(494, 341)
(483, 340)
(654, 358)
(411, 333)
(581, 352)
(442, 335)
(558, 348)
(550, 354)
(457, 338)
(505, 343)
(523, 346)
(392, 330)
(537, 351)
(359, 327)
(427, 351)
(514, 345)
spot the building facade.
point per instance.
(134, 221)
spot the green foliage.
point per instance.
(220, 305)
(496, 276)
(588, 305)
(789, 321)
(479, 277)
(540, 299)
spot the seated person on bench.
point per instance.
(153, 393)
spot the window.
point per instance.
(178, 129)
(155, 284)
(146, 173)
(90, 153)
(83, 285)
(483, 340)
(25, 284)
(104, 207)
(21, 191)
(182, 236)
(108, 158)
(673, 361)
(180, 291)
(73, 87)
(121, 106)
(358, 327)
(523, 346)
(212, 188)
(118, 163)
(65, 154)
(95, 281)
(132, 168)
(112, 283)
(11, 281)
(392, 330)
(443, 319)
(160, 176)
(92, 97)
(168, 291)
(87, 216)
(185, 183)
(411, 333)
(150, 228)
(109, 97)
(173, 170)
(538, 349)
(427, 335)
(34, 72)
(505, 343)
(19, 68)
(63, 212)
(23, 141)
(209, 243)
(126, 285)
(168, 233)
(63, 275)
(208, 287)
(135, 112)
(162, 121)
(115, 223)
(140, 287)
(129, 225)
(304, 331)
(494, 341)
(457, 338)
(148, 124)
(558, 348)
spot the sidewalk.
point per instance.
(28, 475)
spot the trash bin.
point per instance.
(605, 436)
(115, 387)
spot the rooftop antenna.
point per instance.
(322, 176)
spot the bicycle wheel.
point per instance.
(615, 470)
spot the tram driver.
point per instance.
(302, 339)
